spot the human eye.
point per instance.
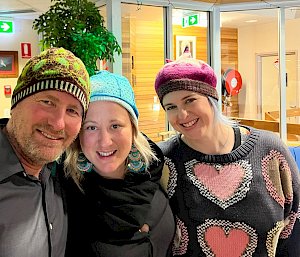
(115, 126)
(73, 112)
(91, 127)
(170, 107)
(190, 100)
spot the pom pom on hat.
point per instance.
(53, 69)
(107, 86)
(186, 74)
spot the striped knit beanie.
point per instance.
(107, 86)
(186, 74)
(53, 69)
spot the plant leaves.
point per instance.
(78, 26)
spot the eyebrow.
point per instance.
(89, 121)
(93, 122)
(165, 105)
(53, 98)
(57, 99)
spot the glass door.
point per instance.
(142, 57)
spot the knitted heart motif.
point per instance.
(222, 182)
(277, 175)
(231, 244)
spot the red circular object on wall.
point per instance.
(233, 82)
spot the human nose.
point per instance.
(182, 113)
(57, 120)
(104, 138)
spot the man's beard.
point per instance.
(31, 150)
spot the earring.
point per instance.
(135, 160)
(83, 164)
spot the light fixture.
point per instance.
(251, 21)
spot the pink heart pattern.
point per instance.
(231, 245)
(222, 184)
(220, 238)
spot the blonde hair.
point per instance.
(72, 153)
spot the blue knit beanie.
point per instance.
(107, 86)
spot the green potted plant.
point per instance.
(77, 26)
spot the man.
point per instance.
(48, 105)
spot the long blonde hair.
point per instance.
(72, 153)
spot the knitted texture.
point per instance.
(186, 74)
(237, 204)
(53, 69)
(106, 86)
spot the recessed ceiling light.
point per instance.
(251, 21)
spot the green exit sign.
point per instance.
(191, 20)
(6, 26)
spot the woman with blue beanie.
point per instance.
(116, 206)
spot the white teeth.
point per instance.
(105, 154)
(49, 136)
(189, 124)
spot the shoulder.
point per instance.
(170, 145)
(264, 137)
(156, 149)
(3, 122)
(268, 141)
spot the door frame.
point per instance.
(259, 78)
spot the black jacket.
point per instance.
(105, 220)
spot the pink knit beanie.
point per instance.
(186, 74)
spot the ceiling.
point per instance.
(31, 9)
(222, 2)
(225, 1)
(24, 9)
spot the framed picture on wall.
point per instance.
(9, 67)
(185, 42)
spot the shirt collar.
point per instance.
(9, 162)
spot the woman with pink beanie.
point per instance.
(234, 190)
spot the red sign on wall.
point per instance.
(7, 90)
(26, 50)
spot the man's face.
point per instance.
(43, 125)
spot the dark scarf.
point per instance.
(119, 207)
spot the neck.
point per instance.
(30, 169)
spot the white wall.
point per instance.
(23, 32)
(261, 39)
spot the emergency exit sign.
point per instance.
(6, 26)
(191, 20)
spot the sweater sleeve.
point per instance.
(289, 240)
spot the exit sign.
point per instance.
(6, 26)
(191, 20)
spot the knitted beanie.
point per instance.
(186, 74)
(53, 69)
(106, 86)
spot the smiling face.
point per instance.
(43, 125)
(106, 138)
(189, 113)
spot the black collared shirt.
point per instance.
(33, 221)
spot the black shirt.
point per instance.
(33, 221)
